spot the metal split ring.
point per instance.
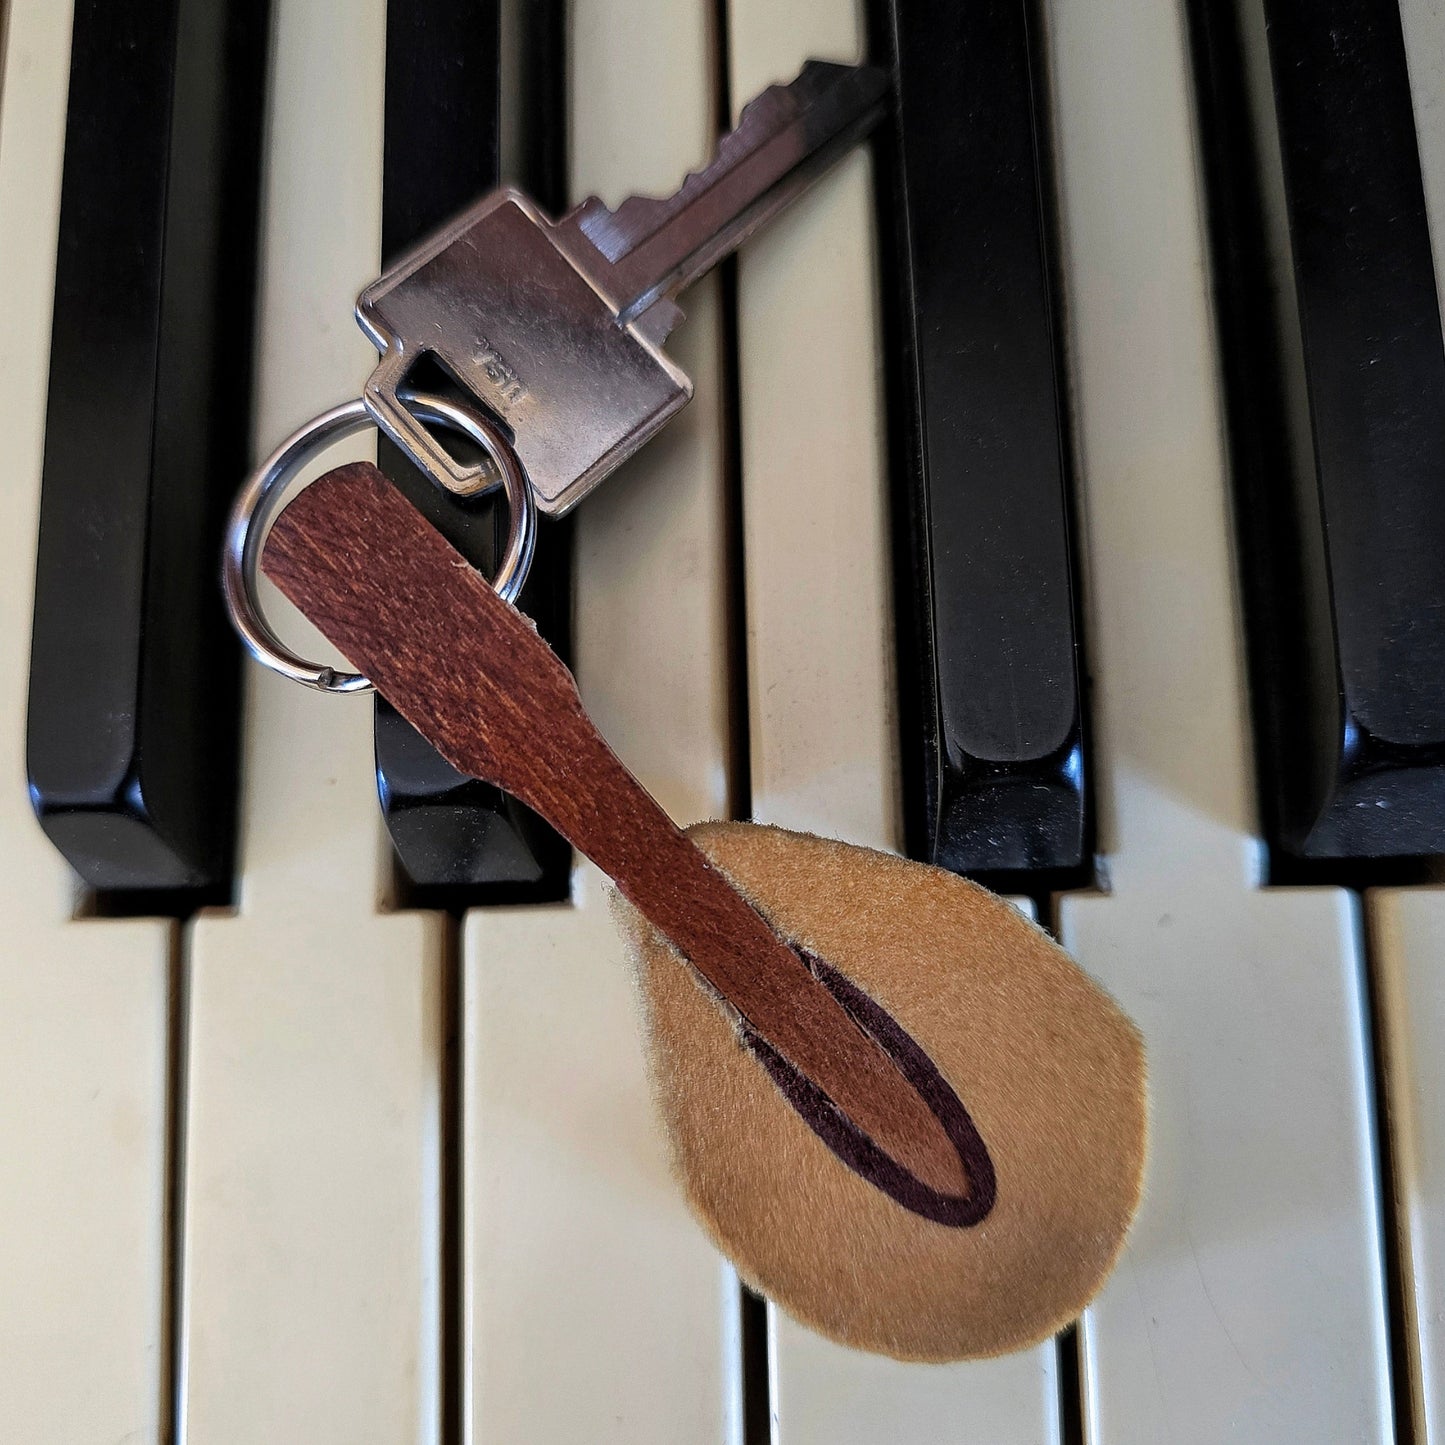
(264, 488)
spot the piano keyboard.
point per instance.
(326, 1147)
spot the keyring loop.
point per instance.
(257, 500)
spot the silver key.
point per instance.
(557, 327)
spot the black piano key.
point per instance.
(133, 712)
(992, 714)
(459, 841)
(442, 133)
(1334, 374)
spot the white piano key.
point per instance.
(1249, 1302)
(1407, 928)
(83, 1004)
(827, 1395)
(821, 681)
(312, 1196)
(819, 620)
(595, 1308)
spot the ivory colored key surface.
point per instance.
(1407, 926)
(821, 683)
(312, 1153)
(1406, 929)
(83, 1004)
(1249, 1302)
(595, 1309)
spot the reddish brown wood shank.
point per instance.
(472, 675)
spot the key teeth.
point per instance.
(811, 83)
(597, 222)
(615, 232)
(815, 78)
(588, 215)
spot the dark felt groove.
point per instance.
(854, 1147)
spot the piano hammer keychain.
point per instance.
(898, 1106)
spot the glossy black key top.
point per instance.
(992, 717)
(459, 841)
(132, 741)
(1334, 374)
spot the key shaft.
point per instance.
(653, 248)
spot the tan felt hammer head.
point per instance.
(1047, 1066)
